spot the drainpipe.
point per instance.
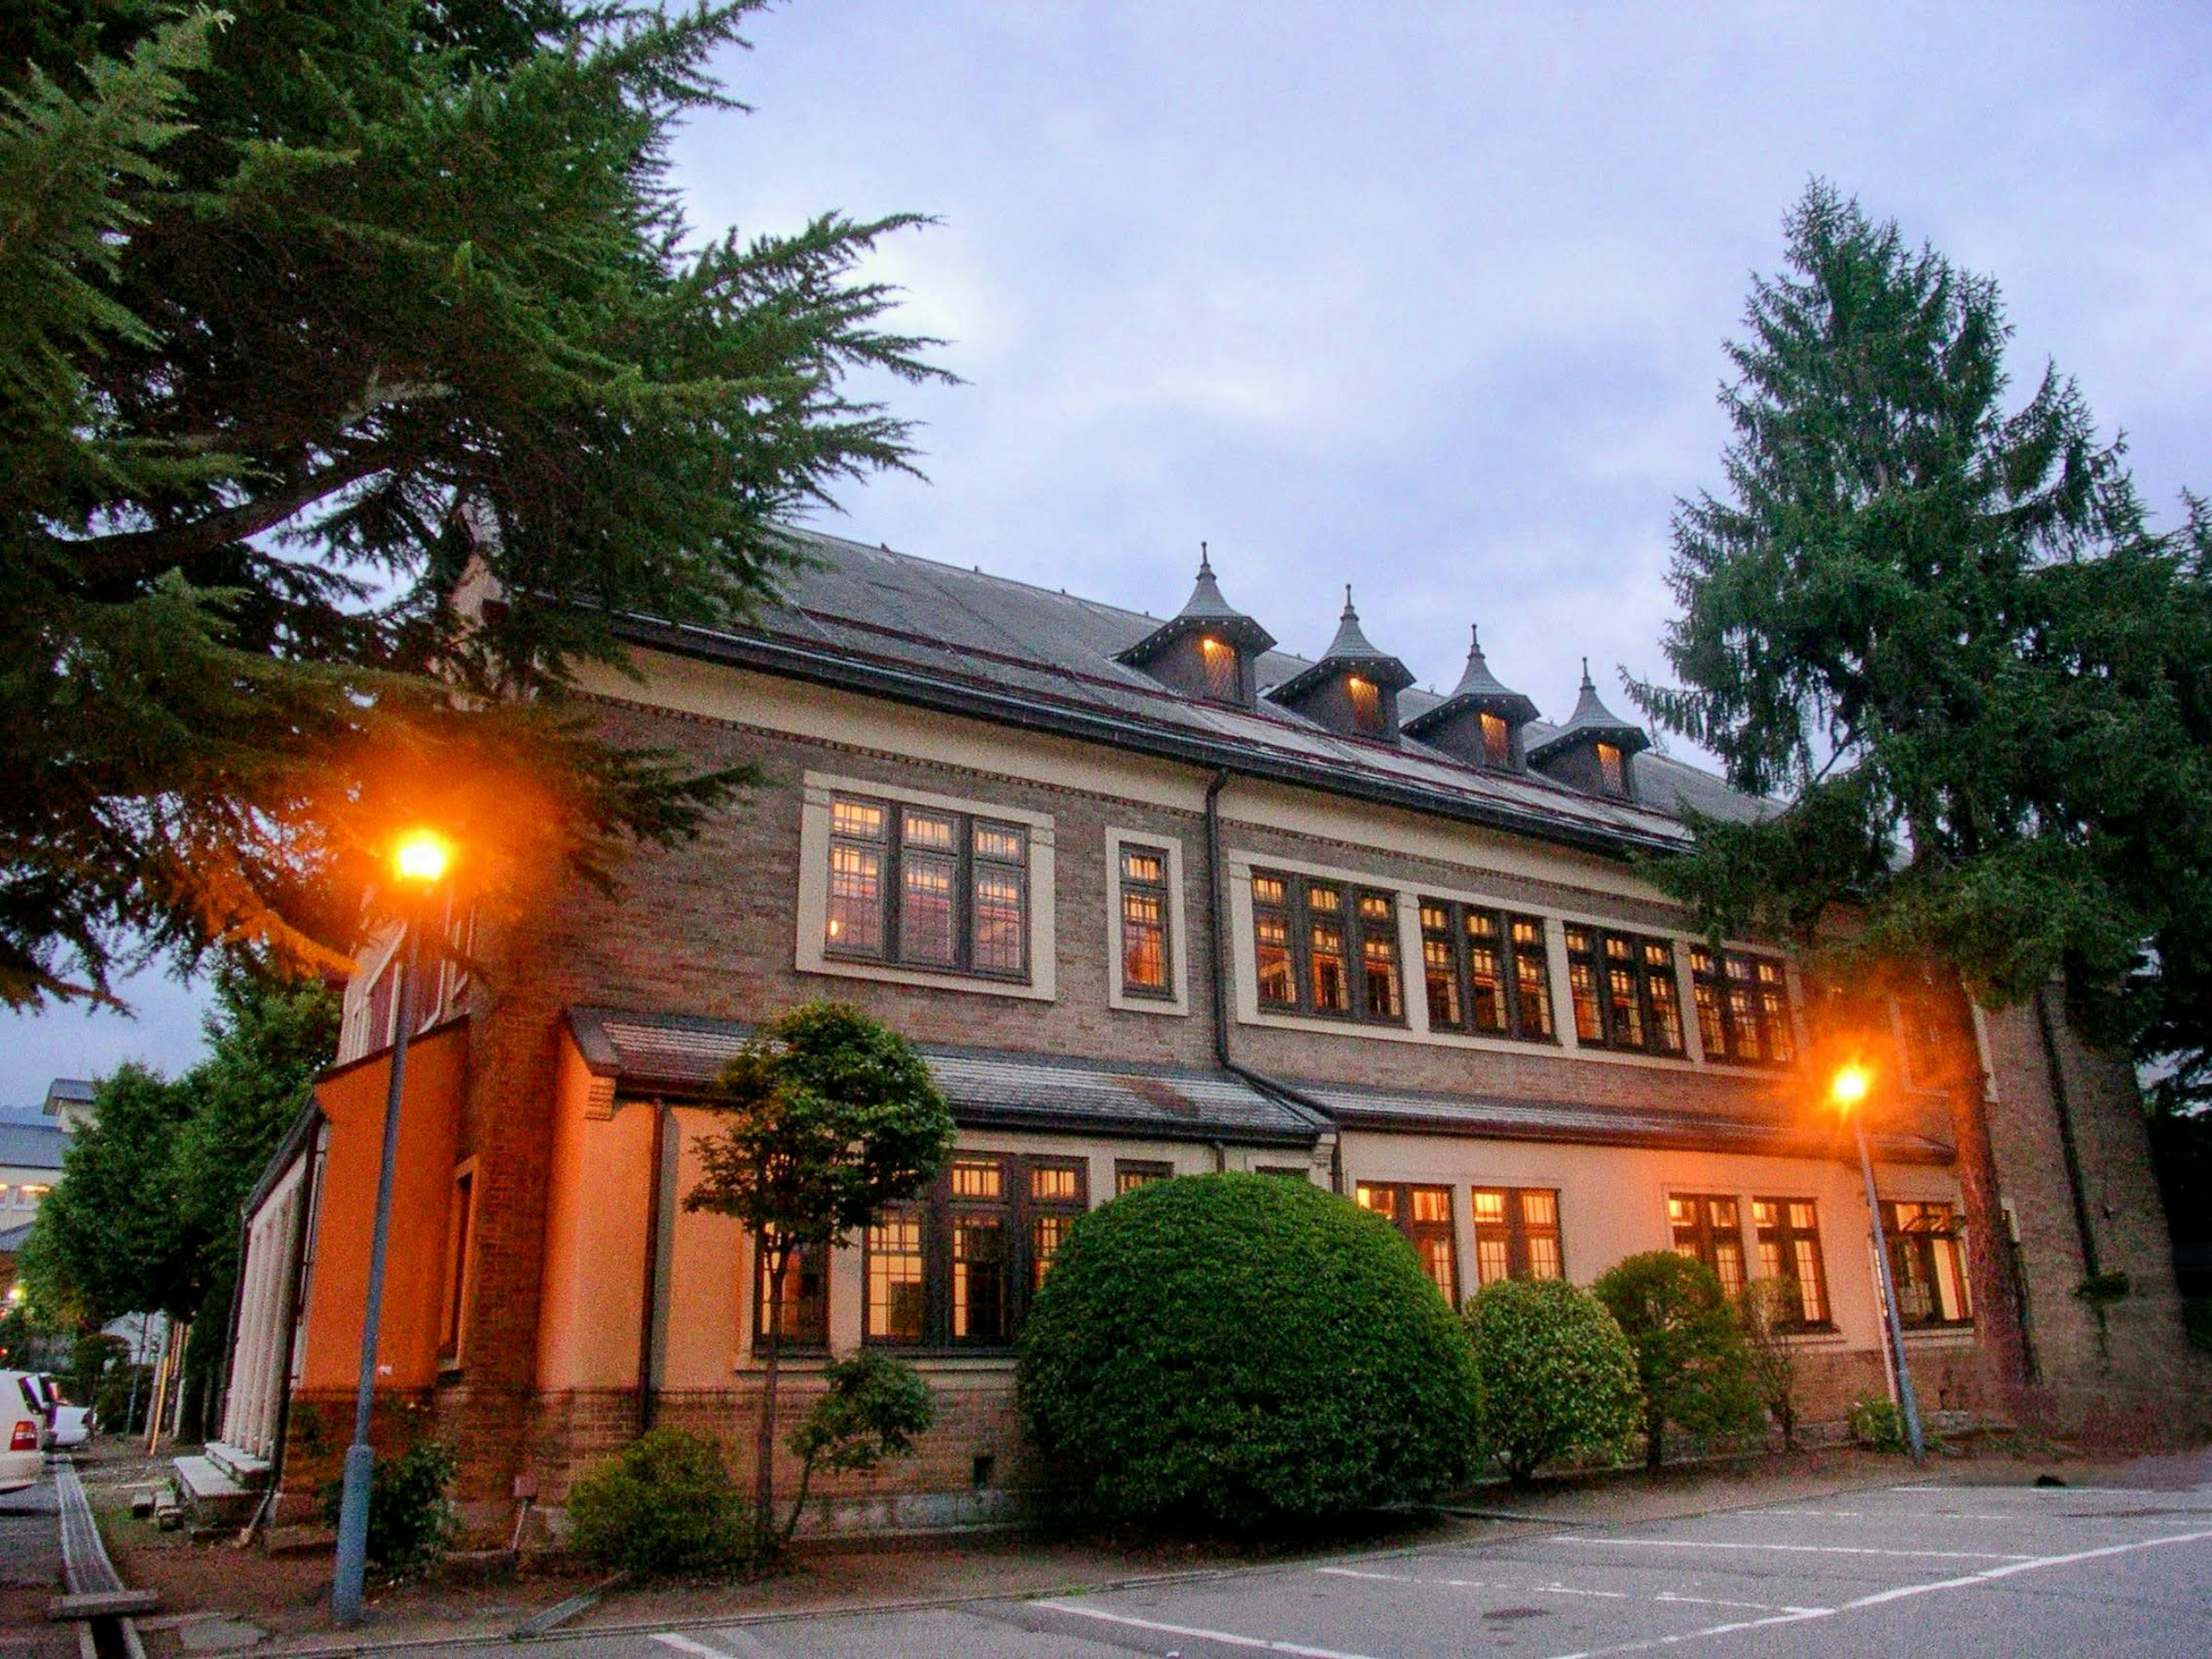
(1218, 926)
(649, 1336)
(2062, 1104)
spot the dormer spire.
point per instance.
(1593, 749)
(1353, 688)
(1208, 649)
(1480, 722)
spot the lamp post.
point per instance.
(1849, 1092)
(418, 863)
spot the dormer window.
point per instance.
(1208, 649)
(1353, 690)
(1594, 750)
(1480, 722)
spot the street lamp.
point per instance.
(418, 864)
(1849, 1092)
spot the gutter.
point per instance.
(1217, 920)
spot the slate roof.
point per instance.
(679, 1055)
(12, 1239)
(1732, 1128)
(30, 1140)
(930, 634)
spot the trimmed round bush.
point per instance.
(1237, 1351)
(664, 1503)
(1557, 1378)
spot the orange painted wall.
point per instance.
(601, 1174)
(705, 1285)
(429, 1116)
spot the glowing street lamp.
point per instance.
(1849, 1090)
(419, 861)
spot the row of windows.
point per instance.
(28, 1196)
(957, 1268)
(920, 887)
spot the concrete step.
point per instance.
(213, 1498)
(240, 1465)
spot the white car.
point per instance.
(66, 1425)
(22, 1425)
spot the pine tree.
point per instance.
(304, 306)
(1937, 631)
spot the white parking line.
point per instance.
(1555, 1590)
(1787, 1549)
(2032, 1564)
(1227, 1638)
(685, 1645)
(1914, 1515)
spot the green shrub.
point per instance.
(1234, 1351)
(876, 1406)
(665, 1504)
(1878, 1425)
(411, 1522)
(1557, 1378)
(1690, 1359)
(1766, 1311)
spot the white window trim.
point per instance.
(814, 891)
(1118, 995)
(1245, 978)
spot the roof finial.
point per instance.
(1348, 610)
(1588, 685)
(1474, 639)
(1204, 568)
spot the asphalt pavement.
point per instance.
(1913, 1568)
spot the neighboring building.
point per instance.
(1155, 899)
(70, 1103)
(31, 1146)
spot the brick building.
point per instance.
(1156, 898)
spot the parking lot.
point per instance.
(1914, 1568)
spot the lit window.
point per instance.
(1744, 1006)
(32, 1194)
(1307, 937)
(459, 1231)
(1788, 1231)
(957, 1268)
(1366, 700)
(806, 1315)
(1485, 972)
(960, 886)
(1129, 1174)
(1612, 777)
(1516, 1234)
(1709, 1228)
(1928, 1262)
(1424, 1215)
(1496, 741)
(1144, 922)
(897, 1301)
(1625, 992)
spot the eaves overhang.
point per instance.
(979, 699)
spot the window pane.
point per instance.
(998, 920)
(1436, 1261)
(1620, 984)
(1143, 868)
(1532, 987)
(1544, 1255)
(856, 900)
(927, 832)
(1379, 956)
(1128, 1176)
(1046, 1232)
(1144, 955)
(1609, 769)
(1000, 842)
(1490, 1256)
(1267, 889)
(1272, 949)
(805, 1298)
(1489, 1205)
(978, 1280)
(1325, 899)
(1666, 998)
(1582, 982)
(1496, 741)
(976, 1178)
(1432, 1204)
(1382, 1200)
(1710, 1035)
(861, 820)
(894, 1278)
(1332, 990)
(1442, 976)
(1055, 1183)
(925, 908)
(1539, 1209)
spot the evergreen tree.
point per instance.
(1936, 630)
(304, 307)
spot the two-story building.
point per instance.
(1154, 898)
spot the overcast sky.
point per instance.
(1424, 297)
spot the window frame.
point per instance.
(1516, 1232)
(1174, 998)
(800, 1341)
(1512, 982)
(1417, 1232)
(1713, 1005)
(1708, 1232)
(1131, 1172)
(1016, 1208)
(1645, 979)
(1788, 1241)
(1358, 930)
(893, 921)
(1924, 1246)
(458, 1267)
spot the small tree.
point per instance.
(1764, 1311)
(877, 1406)
(1557, 1378)
(1689, 1355)
(829, 1116)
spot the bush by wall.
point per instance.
(664, 1503)
(1690, 1357)
(1557, 1378)
(1237, 1351)
(411, 1522)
